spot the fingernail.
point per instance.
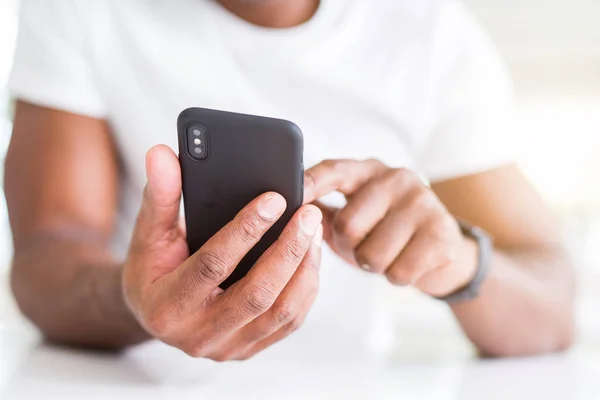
(318, 239)
(271, 206)
(310, 222)
(366, 267)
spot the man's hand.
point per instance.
(67, 282)
(393, 225)
(177, 299)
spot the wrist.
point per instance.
(466, 264)
(462, 271)
(483, 250)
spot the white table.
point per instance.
(430, 365)
(31, 370)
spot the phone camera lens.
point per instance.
(197, 142)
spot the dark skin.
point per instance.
(62, 201)
(273, 13)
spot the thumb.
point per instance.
(159, 214)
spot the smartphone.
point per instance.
(229, 159)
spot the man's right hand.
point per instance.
(177, 299)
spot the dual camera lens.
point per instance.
(197, 140)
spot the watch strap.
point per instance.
(484, 255)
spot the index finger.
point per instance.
(259, 289)
(206, 269)
(345, 176)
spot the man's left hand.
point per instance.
(392, 224)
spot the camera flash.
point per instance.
(197, 142)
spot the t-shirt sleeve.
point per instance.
(51, 65)
(471, 112)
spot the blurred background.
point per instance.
(552, 48)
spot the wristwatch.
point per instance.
(484, 256)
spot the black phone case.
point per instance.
(246, 156)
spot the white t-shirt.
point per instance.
(413, 83)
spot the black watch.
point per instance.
(485, 250)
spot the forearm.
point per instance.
(72, 292)
(525, 306)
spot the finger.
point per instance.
(282, 333)
(448, 274)
(159, 213)
(329, 213)
(284, 317)
(344, 176)
(363, 211)
(258, 290)
(292, 305)
(287, 329)
(426, 251)
(205, 270)
(328, 217)
(387, 239)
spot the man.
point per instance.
(413, 88)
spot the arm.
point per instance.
(526, 303)
(395, 226)
(61, 182)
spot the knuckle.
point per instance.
(422, 200)
(159, 323)
(375, 162)
(403, 175)
(208, 267)
(258, 299)
(294, 251)
(249, 228)
(442, 228)
(346, 225)
(295, 325)
(196, 351)
(445, 254)
(399, 277)
(384, 183)
(449, 224)
(285, 313)
(446, 258)
(346, 186)
(331, 164)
